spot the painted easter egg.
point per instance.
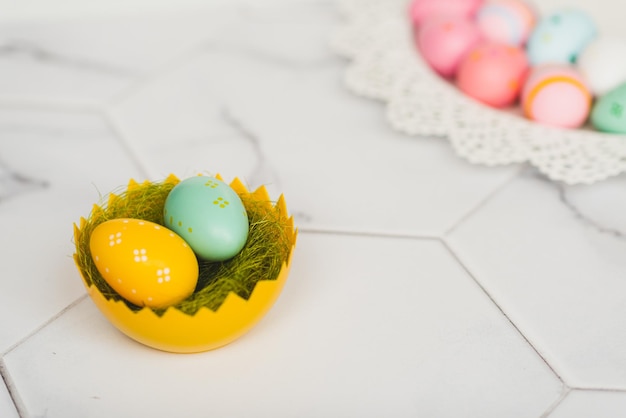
(422, 10)
(603, 63)
(147, 264)
(609, 111)
(493, 74)
(443, 41)
(209, 215)
(556, 95)
(506, 21)
(560, 38)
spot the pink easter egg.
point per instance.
(506, 21)
(421, 10)
(557, 95)
(444, 40)
(493, 74)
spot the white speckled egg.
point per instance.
(209, 215)
(147, 264)
(603, 64)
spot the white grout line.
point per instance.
(517, 174)
(102, 111)
(564, 394)
(568, 391)
(44, 325)
(372, 234)
(18, 403)
(497, 305)
(603, 390)
(167, 67)
(58, 106)
(123, 139)
(4, 371)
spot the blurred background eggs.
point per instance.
(503, 53)
(445, 40)
(560, 37)
(493, 74)
(609, 111)
(603, 64)
(506, 21)
(421, 10)
(556, 95)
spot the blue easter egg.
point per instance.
(559, 38)
(209, 215)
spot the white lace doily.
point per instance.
(377, 37)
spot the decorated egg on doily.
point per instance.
(506, 21)
(560, 38)
(609, 111)
(443, 41)
(603, 63)
(556, 94)
(209, 215)
(493, 74)
(422, 10)
(145, 263)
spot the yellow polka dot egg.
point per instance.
(146, 263)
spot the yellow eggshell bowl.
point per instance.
(172, 329)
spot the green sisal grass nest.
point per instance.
(270, 240)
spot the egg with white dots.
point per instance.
(145, 263)
(209, 215)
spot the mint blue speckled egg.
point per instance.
(560, 38)
(209, 215)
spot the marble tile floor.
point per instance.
(453, 290)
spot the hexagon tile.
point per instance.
(393, 327)
(559, 276)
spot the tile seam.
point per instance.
(12, 389)
(44, 325)
(564, 394)
(123, 140)
(599, 389)
(570, 390)
(502, 311)
(483, 202)
(59, 106)
(339, 232)
(165, 68)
